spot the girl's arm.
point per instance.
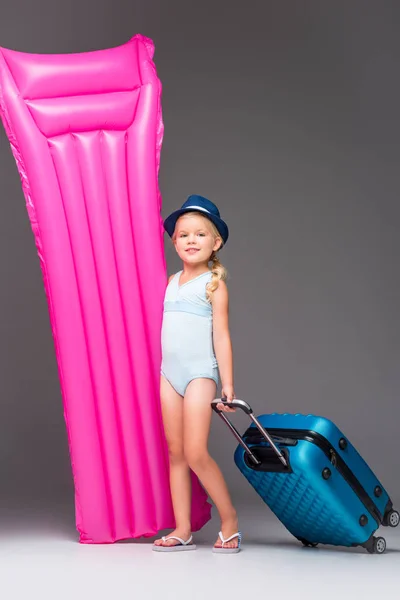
(222, 339)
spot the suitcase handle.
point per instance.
(235, 403)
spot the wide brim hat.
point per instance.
(203, 206)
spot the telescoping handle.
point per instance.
(249, 411)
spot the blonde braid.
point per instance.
(218, 273)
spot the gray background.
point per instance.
(287, 115)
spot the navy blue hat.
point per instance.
(203, 206)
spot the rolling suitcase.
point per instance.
(313, 479)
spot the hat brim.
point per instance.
(170, 222)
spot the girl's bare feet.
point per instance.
(184, 534)
(228, 528)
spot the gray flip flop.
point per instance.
(182, 546)
(223, 550)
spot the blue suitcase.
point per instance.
(313, 479)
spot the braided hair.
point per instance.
(219, 273)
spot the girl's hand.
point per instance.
(228, 393)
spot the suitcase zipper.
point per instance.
(319, 440)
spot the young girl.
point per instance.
(195, 345)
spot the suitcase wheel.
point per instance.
(307, 543)
(393, 518)
(378, 545)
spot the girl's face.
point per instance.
(194, 240)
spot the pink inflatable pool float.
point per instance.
(86, 132)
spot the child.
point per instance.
(195, 324)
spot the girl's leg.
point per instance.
(172, 413)
(197, 415)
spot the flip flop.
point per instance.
(176, 547)
(223, 550)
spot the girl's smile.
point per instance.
(193, 239)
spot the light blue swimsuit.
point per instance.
(186, 338)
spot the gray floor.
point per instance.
(40, 558)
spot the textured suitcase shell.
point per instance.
(312, 508)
